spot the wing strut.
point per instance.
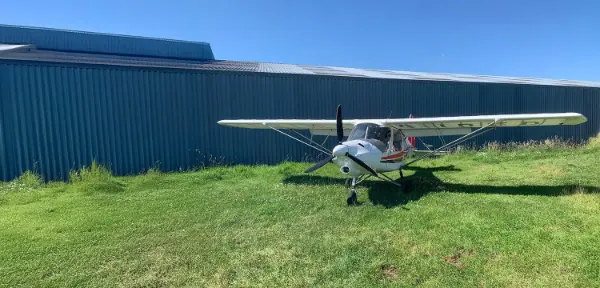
(389, 180)
(456, 142)
(312, 141)
(307, 144)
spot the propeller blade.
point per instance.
(340, 128)
(361, 163)
(320, 164)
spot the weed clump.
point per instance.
(27, 182)
(95, 178)
(149, 180)
(287, 169)
(594, 142)
(153, 174)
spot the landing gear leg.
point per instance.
(347, 183)
(352, 198)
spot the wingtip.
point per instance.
(576, 118)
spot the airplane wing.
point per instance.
(435, 126)
(462, 125)
(505, 120)
(316, 127)
(296, 124)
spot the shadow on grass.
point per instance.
(424, 181)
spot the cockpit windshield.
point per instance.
(373, 133)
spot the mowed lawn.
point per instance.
(523, 218)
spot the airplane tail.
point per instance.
(411, 140)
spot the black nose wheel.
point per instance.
(352, 198)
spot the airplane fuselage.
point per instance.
(380, 161)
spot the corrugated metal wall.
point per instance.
(88, 42)
(59, 117)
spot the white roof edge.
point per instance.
(10, 48)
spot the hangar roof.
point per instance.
(18, 52)
(103, 43)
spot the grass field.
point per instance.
(517, 218)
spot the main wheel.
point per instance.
(352, 198)
(404, 187)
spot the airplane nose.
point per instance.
(340, 150)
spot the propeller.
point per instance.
(319, 164)
(361, 163)
(340, 135)
(338, 122)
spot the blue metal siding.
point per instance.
(4, 173)
(60, 117)
(87, 42)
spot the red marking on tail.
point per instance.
(411, 140)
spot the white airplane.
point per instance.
(376, 146)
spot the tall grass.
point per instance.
(98, 178)
(547, 144)
(594, 142)
(554, 144)
(95, 178)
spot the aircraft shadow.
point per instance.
(424, 181)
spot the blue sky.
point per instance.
(535, 38)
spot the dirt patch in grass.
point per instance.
(389, 271)
(455, 259)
